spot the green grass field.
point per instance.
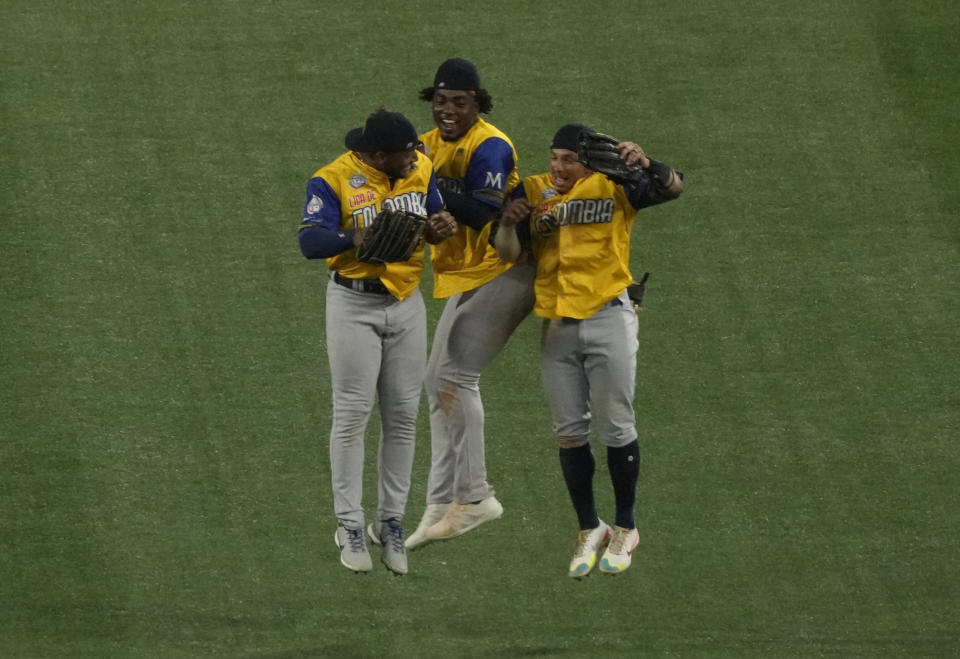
(164, 401)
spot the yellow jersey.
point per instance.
(581, 241)
(483, 165)
(348, 193)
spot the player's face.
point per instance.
(566, 169)
(397, 164)
(454, 112)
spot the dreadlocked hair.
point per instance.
(484, 100)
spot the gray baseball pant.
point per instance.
(472, 330)
(589, 369)
(377, 347)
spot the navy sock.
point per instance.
(624, 465)
(578, 466)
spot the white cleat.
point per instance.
(433, 514)
(463, 517)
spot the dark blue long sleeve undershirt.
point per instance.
(317, 242)
(467, 210)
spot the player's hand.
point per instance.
(515, 211)
(358, 234)
(440, 226)
(633, 154)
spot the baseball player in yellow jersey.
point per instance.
(577, 223)
(375, 323)
(487, 298)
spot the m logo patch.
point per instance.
(494, 181)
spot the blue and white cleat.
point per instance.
(589, 544)
(617, 557)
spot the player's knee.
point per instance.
(448, 398)
(456, 383)
(619, 438)
(571, 441)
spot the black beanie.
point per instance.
(568, 135)
(457, 73)
(383, 131)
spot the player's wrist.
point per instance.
(660, 172)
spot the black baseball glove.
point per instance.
(599, 152)
(393, 236)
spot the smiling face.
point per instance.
(566, 169)
(454, 112)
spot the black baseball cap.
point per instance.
(568, 136)
(383, 131)
(457, 73)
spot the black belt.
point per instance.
(615, 302)
(361, 285)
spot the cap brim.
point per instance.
(354, 140)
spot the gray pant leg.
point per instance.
(353, 350)
(611, 369)
(401, 383)
(440, 479)
(564, 382)
(474, 328)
